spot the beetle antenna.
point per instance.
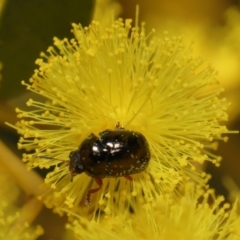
(47, 157)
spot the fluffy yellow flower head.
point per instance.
(185, 217)
(148, 85)
(12, 225)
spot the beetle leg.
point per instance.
(91, 191)
(128, 177)
(118, 126)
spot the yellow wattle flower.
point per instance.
(196, 214)
(150, 85)
(12, 225)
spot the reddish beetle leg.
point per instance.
(128, 177)
(91, 191)
(99, 183)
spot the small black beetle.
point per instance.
(115, 153)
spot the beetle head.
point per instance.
(75, 164)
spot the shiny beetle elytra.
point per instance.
(115, 153)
